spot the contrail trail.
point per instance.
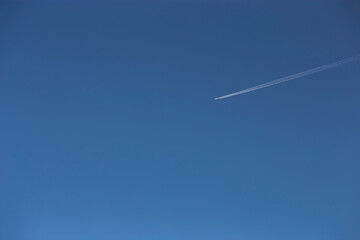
(295, 76)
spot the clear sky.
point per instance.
(109, 130)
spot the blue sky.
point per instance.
(109, 129)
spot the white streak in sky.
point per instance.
(295, 76)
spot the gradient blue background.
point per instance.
(109, 130)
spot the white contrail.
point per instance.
(294, 76)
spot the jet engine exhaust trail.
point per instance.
(295, 76)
